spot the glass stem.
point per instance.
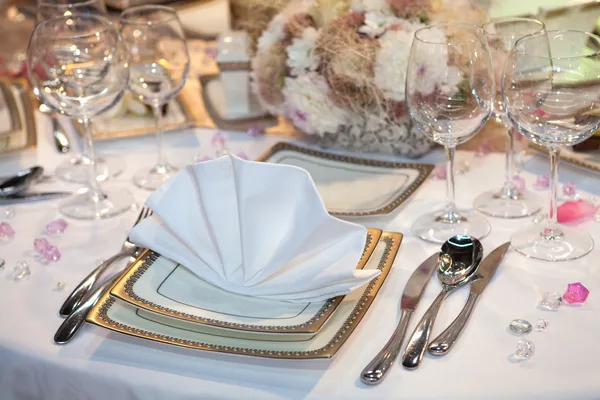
(552, 230)
(92, 169)
(451, 216)
(158, 117)
(510, 149)
(85, 150)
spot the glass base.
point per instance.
(438, 226)
(76, 169)
(87, 204)
(508, 203)
(154, 178)
(558, 244)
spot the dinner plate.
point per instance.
(589, 160)
(17, 115)
(164, 287)
(352, 186)
(119, 316)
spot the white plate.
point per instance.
(163, 287)
(351, 186)
(122, 317)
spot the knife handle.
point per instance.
(418, 341)
(377, 369)
(442, 344)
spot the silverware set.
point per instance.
(87, 293)
(458, 264)
(15, 189)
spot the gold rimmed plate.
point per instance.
(166, 289)
(589, 160)
(352, 186)
(119, 316)
(19, 104)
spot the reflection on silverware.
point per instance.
(128, 249)
(75, 320)
(446, 340)
(20, 181)
(459, 258)
(377, 369)
(60, 139)
(24, 197)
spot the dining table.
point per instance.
(99, 364)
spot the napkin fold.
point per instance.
(255, 229)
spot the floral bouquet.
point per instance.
(337, 68)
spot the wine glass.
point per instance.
(78, 65)
(449, 95)
(75, 169)
(551, 92)
(160, 65)
(509, 201)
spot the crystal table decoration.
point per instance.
(540, 325)
(551, 301)
(525, 349)
(576, 293)
(21, 270)
(519, 327)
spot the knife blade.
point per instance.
(376, 370)
(32, 196)
(442, 344)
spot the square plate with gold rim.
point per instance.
(589, 160)
(18, 115)
(165, 288)
(351, 186)
(116, 315)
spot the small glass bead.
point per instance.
(541, 325)
(525, 349)
(9, 212)
(21, 270)
(519, 327)
(60, 285)
(134, 207)
(551, 301)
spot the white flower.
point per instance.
(300, 54)
(273, 33)
(376, 23)
(309, 107)
(392, 61)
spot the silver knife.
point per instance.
(442, 344)
(32, 196)
(377, 369)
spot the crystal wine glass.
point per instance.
(160, 65)
(551, 91)
(509, 201)
(78, 65)
(449, 94)
(75, 169)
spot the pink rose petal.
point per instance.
(576, 211)
(57, 226)
(6, 230)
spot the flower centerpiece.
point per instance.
(337, 68)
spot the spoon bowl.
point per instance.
(457, 263)
(21, 181)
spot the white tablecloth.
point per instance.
(103, 365)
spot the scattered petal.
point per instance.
(41, 246)
(439, 172)
(569, 190)
(519, 183)
(56, 227)
(255, 131)
(542, 182)
(576, 211)
(6, 231)
(484, 149)
(576, 293)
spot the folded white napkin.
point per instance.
(256, 229)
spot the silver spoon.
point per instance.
(459, 258)
(21, 181)
(60, 139)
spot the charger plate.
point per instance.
(589, 160)
(121, 317)
(165, 288)
(351, 186)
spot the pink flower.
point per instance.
(576, 211)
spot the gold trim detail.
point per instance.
(26, 120)
(99, 316)
(424, 171)
(588, 165)
(243, 66)
(124, 290)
